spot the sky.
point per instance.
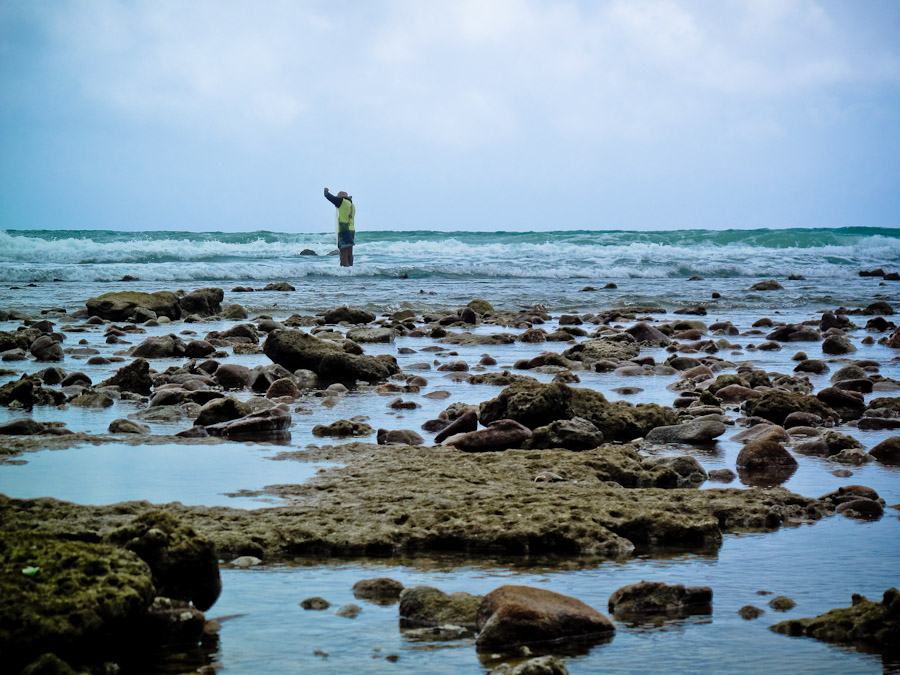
(449, 115)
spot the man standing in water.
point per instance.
(345, 228)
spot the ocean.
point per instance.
(510, 268)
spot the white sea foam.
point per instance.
(209, 256)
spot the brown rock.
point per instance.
(657, 598)
(498, 435)
(515, 615)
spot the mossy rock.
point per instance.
(480, 306)
(185, 566)
(66, 597)
(775, 405)
(875, 624)
(119, 306)
(535, 405)
(343, 429)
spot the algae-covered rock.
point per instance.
(429, 606)
(28, 392)
(480, 306)
(343, 429)
(185, 566)
(202, 302)
(589, 352)
(775, 406)
(119, 306)
(348, 314)
(380, 590)
(295, 349)
(67, 597)
(573, 434)
(649, 598)
(133, 377)
(160, 347)
(535, 404)
(876, 624)
(419, 499)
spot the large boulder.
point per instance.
(876, 624)
(295, 349)
(135, 377)
(535, 404)
(184, 565)
(514, 615)
(120, 306)
(202, 302)
(68, 597)
(649, 598)
(775, 406)
(429, 606)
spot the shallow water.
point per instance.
(818, 565)
(191, 474)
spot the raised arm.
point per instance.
(334, 200)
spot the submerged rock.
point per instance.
(513, 615)
(380, 590)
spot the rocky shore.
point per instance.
(541, 464)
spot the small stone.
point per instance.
(749, 612)
(782, 603)
(315, 603)
(349, 611)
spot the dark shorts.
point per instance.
(345, 238)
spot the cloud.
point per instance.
(461, 74)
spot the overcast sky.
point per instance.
(484, 115)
